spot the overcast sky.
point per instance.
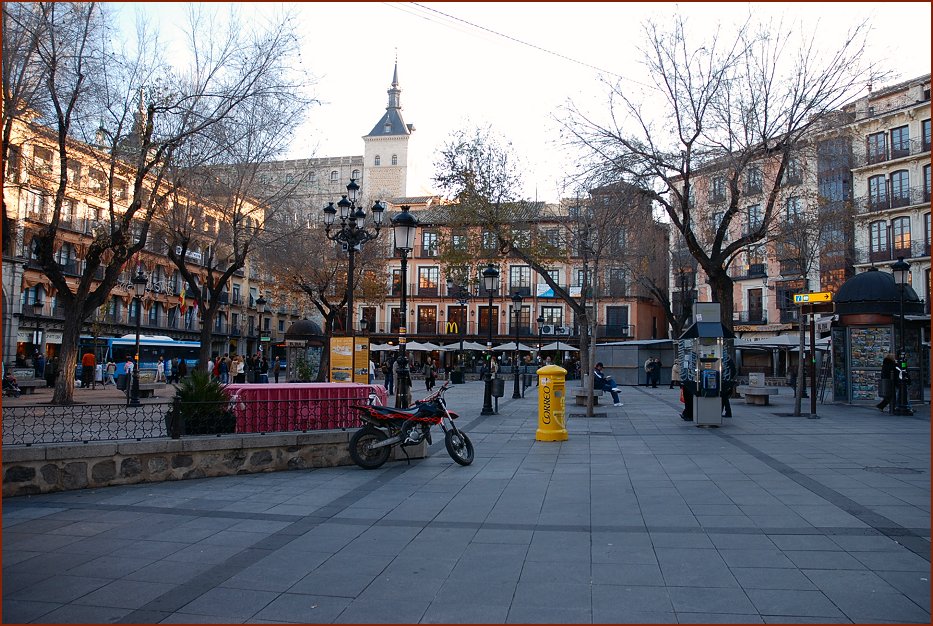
(512, 65)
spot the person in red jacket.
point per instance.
(88, 363)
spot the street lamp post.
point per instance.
(901, 271)
(37, 312)
(260, 309)
(352, 234)
(462, 294)
(404, 227)
(517, 307)
(540, 321)
(491, 285)
(139, 285)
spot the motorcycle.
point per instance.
(387, 427)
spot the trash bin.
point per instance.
(498, 387)
(456, 377)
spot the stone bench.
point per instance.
(757, 395)
(147, 390)
(29, 385)
(579, 396)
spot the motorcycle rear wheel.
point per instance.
(361, 451)
(459, 446)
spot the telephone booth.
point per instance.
(704, 341)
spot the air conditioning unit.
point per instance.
(562, 330)
(547, 329)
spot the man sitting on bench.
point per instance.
(606, 383)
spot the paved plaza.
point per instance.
(638, 517)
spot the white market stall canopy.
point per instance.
(559, 346)
(510, 347)
(467, 345)
(382, 348)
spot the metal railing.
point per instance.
(888, 152)
(891, 200)
(890, 253)
(750, 317)
(32, 425)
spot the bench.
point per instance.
(757, 395)
(26, 379)
(579, 396)
(147, 390)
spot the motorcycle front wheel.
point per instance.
(459, 446)
(361, 448)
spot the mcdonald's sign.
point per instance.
(451, 328)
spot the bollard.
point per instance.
(551, 404)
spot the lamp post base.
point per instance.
(487, 397)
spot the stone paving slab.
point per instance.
(638, 517)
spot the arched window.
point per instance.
(878, 237)
(355, 175)
(394, 159)
(334, 176)
(378, 160)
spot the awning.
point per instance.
(709, 330)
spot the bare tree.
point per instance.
(308, 262)
(148, 111)
(480, 176)
(738, 104)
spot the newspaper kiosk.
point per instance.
(704, 340)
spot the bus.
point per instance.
(151, 347)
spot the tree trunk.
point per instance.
(722, 285)
(206, 347)
(68, 361)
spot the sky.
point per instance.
(513, 66)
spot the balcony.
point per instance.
(888, 153)
(755, 316)
(752, 270)
(522, 290)
(912, 196)
(616, 331)
(790, 267)
(789, 316)
(916, 249)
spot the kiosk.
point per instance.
(704, 341)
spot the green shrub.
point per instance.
(200, 407)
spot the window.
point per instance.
(133, 310)
(755, 256)
(95, 180)
(717, 189)
(73, 172)
(456, 320)
(793, 175)
(617, 287)
(551, 236)
(484, 320)
(793, 209)
(281, 326)
(926, 231)
(754, 217)
(925, 134)
(428, 280)
(42, 159)
(926, 183)
(396, 282)
(66, 258)
(13, 164)
(68, 213)
(900, 233)
(355, 175)
(489, 240)
(520, 280)
(582, 275)
(334, 176)
(521, 236)
(378, 161)
(428, 243)
(288, 179)
(878, 237)
(427, 320)
(877, 193)
(716, 219)
(553, 315)
(900, 188)
(459, 240)
(523, 327)
(394, 159)
(877, 147)
(753, 180)
(755, 306)
(311, 177)
(154, 311)
(900, 142)
(617, 321)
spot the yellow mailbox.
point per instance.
(551, 402)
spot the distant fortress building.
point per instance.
(382, 170)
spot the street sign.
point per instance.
(810, 298)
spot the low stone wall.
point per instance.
(60, 467)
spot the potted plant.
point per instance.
(200, 407)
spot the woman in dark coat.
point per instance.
(888, 373)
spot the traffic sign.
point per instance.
(810, 298)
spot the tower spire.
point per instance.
(394, 92)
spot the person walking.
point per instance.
(88, 362)
(110, 371)
(51, 372)
(653, 367)
(224, 370)
(263, 370)
(372, 371)
(605, 383)
(160, 371)
(276, 368)
(388, 370)
(430, 374)
(182, 370)
(675, 373)
(687, 383)
(98, 375)
(887, 384)
(728, 384)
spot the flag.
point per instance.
(194, 308)
(181, 302)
